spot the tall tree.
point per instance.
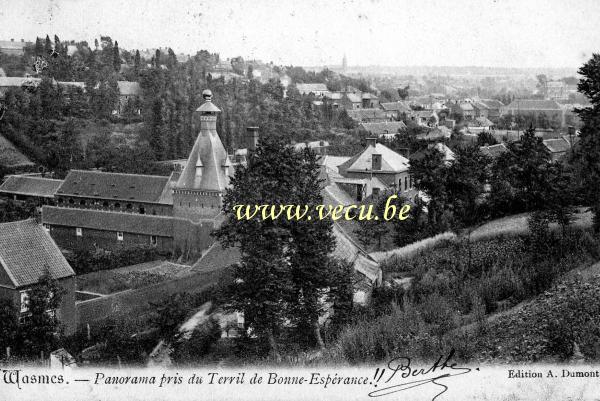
(284, 269)
(116, 61)
(587, 153)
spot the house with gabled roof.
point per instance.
(129, 92)
(394, 110)
(377, 161)
(494, 151)
(317, 90)
(558, 147)
(27, 254)
(386, 129)
(535, 107)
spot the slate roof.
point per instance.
(209, 154)
(30, 186)
(390, 160)
(492, 104)
(128, 88)
(348, 250)
(126, 187)
(533, 105)
(493, 150)
(12, 44)
(305, 89)
(394, 106)
(334, 95)
(108, 221)
(559, 145)
(27, 251)
(386, 127)
(365, 114)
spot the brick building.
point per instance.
(176, 213)
(27, 253)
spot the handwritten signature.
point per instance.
(401, 366)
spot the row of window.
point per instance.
(120, 235)
(106, 205)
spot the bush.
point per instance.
(85, 261)
(199, 344)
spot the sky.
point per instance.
(495, 33)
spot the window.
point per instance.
(119, 236)
(129, 206)
(375, 191)
(153, 239)
(82, 202)
(117, 205)
(79, 232)
(105, 204)
(142, 210)
(71, 201)
(24, 302)
(405, 183)
(46, 227)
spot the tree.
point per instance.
(466, 177)
(373, 231)
(403, 92)
(587, 154)
(284, 268)
(37, 332)
(10, 323)
(430, 174)
(116, 61)
(48, 46)
(136, 62)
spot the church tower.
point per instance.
(344, 64)
(198, 193)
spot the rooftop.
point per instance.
(533, 104)
(386, 127)
(95, 184)
(390, 160)
(128, 88)
(27, 252)
(30, 186)
(109, 221)
(493, 150)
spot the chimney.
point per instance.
(208, 114)
(371, 141)
(376, 162)
(251, 139)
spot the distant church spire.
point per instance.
(344, 63)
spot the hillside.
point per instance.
(10, 156)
